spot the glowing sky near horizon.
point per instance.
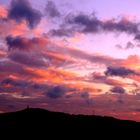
(73, 56)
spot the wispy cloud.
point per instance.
(51, 10)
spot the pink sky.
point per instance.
(71, 56)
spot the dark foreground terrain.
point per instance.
(37, 119)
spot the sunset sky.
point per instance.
(73, 56)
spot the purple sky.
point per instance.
(102, 7)
(72, 56)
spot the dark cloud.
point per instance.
(118, 89)
(22, 43)
(21, 9)
(137, 109)
(39, 86)
(23, 87)
(37, 52)
(25, 94)
(56, 92)
(90, 101)
(18, 103)
(15, 83)
(88, 23)
(23, 83)
(100, 78)
(16, 43)
(129, 45)
(122, 26)
(61, 32)
(91, 24)
(120, 101)
(119, 46)
(119, 71)
(85, 95)
(137, 37)
(51, 10)
(23, 51)
(8, 67)
(28, 59)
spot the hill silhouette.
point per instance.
(32, 118)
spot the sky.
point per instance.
(77, 57)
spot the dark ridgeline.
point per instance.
(36, 119)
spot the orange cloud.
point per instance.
(58, 59)
(19, 29)
(3, 12)
(10, 27)
(116, 82)
(60, 76)
(100, 78)
(37, 43)
(132, 62)
(135, 78)
(52, 75)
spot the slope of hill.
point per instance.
(54, 121)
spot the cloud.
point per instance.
(16, 43)
(31, 59)
(56, 92)
(22, 43)
(77, 54)
(119, 46)
(21, 86)
(88, 23)
(100, 78)
(21, 10)
(8, 68)
(122, 25)
(3, 12)
(90, 101)
(90, 57)
(117, 89)
(119, 71)
(51, 10)
(131, 62)
(41, 52)
(92, 24)
(84, 94)
(61, 32)
(137, 37)
(3, 53)
(129, 45)
(36, 52)
(11, 27)
(8, 102)
(15, 83)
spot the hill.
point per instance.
(34, 118)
